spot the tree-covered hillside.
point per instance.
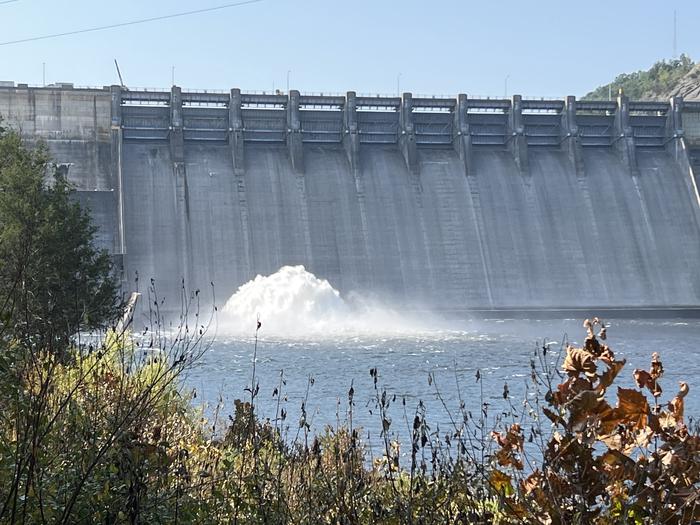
(659, 82)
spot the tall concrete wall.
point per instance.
(75, 124)
(456, 204)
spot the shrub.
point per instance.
(107, 434)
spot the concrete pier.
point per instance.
(517, 141)
(624, 135)
(570, 140)
(407, 133)
(236, 131)
(294, 138)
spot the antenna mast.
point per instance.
(121, 81)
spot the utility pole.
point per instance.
(172, 76)
(288, 72)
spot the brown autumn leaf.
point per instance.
(553, 416)
(579, 360)
(555, 446)
(617, 465)
(603, 334)
(666, 421)
(631, 412)
(606, 378)
(585, 406)
(511, 442)
(536, 487)
(645, 379)
(586, 401)
(501, 482)
(657, 367)
(692, 444)
(592, 345)
(632, 407)
(627, 440)
(590, 324)
(612, 440)
(607, 355)
(677, 405)
(670, 459)
(570, 388)
(533, 482)
(513, 438)
(609, 420)
(507, 458)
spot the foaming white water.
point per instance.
(294, 302)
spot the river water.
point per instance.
(319, 346)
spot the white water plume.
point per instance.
(294, 302)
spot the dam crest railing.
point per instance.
(431, 121)
(408, 121)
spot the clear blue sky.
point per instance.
(545, 47)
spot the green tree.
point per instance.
(53, 281)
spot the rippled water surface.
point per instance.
(500, 349)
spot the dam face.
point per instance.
(453, 204)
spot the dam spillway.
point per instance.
(446, 203)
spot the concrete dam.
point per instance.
(448, 203)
